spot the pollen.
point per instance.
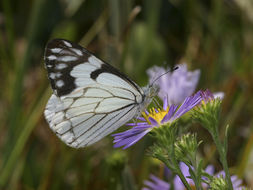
(203, 103)
(157, 115)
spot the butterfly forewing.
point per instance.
(61, 57)
(91, 98)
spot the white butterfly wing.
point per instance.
(91, 98)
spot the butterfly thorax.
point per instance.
(149, 91)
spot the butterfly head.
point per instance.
(152, 90)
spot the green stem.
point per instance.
(180, 174)
(222, 152)
(195, 166)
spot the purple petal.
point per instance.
(165, 103)
(177, 181)
(185, 170)
(153, 121)
(141, 118)
(237, 183)
(131, 136)
(210, 169)
(167, 173)
(136, 124)
(187, 105)
(127, 142)
(159, 181)
(156, 184)
(221, 173)
(131, 132)
(178, 185)
(207, 95)
(170, 113)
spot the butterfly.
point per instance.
(91, 98)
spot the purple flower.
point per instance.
(237, 183)
(156, 183)
(155, 118)
(176, 85)
(178, 185)
(207, 95)
(159, 184)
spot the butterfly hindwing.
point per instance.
(91, 98)
(78, 126)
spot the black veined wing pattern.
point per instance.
(90, 98)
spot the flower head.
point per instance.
(207, 95)
(155, 118)
(208, 113)
(186, 147)
(176, 85)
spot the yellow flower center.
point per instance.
(157, 116)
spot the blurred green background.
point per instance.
(215, 36)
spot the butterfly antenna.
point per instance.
(175, 68)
